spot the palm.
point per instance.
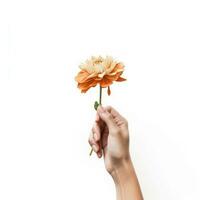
(112, 148)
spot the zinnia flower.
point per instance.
(99, 70)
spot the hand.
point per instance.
(110, 138)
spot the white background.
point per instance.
(45, 120)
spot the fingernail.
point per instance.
(95, 148)
(99, 155)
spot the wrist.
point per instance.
(123, 172)
(126, 182)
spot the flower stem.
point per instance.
(100, 95)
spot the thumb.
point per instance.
(106, 117)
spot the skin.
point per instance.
(110, 139)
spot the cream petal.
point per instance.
(101, 66)
(101, 75)
(111, 74)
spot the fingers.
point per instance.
(96, 131)
(93, 143)
(94, 140)
(107, 118)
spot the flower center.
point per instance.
(98, 62)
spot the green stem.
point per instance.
(100, 95)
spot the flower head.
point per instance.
(99, 70)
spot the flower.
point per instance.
(99, 70)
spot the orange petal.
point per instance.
(121, 79)
(118, 68)
(105, 82)
(113, 77)
(82, 76)
(109, 91)
(87, 85)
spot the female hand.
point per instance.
(110, 137)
